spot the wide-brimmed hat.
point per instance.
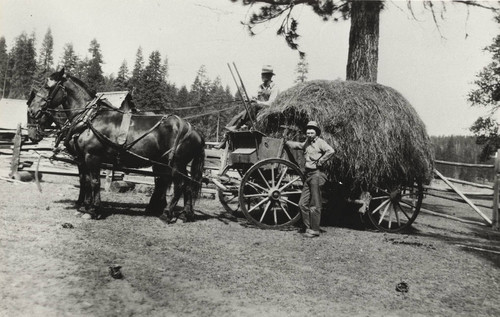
(267, 69)
(313, 125)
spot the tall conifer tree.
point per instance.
(22, 63)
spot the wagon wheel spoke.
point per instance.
(407, 203)
(291, 193)
(405, 211)
(258, 204)
(396, 213)
(381, 197)
(255, 195)
(384, 212)
(272, 175)
(256, 186)
(380, 206)
(289, 201)
(391, 208)
(229, 198)
(265, 210)
(263, 178)
(284, 210)
(275, 215)
(290, 183)
(283, 173)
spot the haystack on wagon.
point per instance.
(383, 153)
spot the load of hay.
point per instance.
(378, 137)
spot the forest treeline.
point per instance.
(461, 149)
(23, 67)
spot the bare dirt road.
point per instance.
(220, 266)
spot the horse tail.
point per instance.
(197, 167)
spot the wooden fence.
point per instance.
(493, 194)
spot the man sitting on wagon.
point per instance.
(265, 96)
(316, 153)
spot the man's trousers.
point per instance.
(310, 202)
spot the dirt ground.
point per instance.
(221, 266)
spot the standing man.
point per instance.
(316, 153)
(265, 96)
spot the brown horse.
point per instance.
(96, 133)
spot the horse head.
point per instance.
(42, 103)
(44, 100)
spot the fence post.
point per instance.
(16, 153)
(495, 216)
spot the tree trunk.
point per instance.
(362, 63)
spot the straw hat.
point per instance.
(313, 125)
(267, 69)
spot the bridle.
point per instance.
(46, 108)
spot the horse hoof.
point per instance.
(78, 213)
(82, 209)
(166, 219)
(87, 216)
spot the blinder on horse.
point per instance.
(45, 105)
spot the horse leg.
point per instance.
(168, 214)
(158, 200)
(79, 205)
(188, 214)
(94, 171)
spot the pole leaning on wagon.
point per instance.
(242, 92)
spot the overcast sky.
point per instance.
(432, 68)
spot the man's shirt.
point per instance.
(316, 152)
(267, 94)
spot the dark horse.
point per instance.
(96, 133)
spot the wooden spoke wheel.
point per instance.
(395, 210)
(270, 192)
(229, 198)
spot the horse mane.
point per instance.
(85, 87)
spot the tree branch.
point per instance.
(476, 4)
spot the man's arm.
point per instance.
(327, 153)
(295, 145)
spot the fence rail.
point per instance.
(494, 221)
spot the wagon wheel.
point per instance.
(229, 198)
(269, 193)
(395, 210)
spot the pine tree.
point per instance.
(151, 93)
(302, 70)
(45, 58)
(122, 78)
(135, 80)
(95, 78)
(200, 87)
(4, 61)
(69, 59)
(82, 68)
(22, 63)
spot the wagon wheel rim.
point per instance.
(395, 210)
(269, 193)
(229, 198)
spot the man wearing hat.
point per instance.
(265, 96)
(316, 153)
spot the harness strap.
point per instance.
(131, 144)
(104, 139)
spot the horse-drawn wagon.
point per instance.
(259, 174)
